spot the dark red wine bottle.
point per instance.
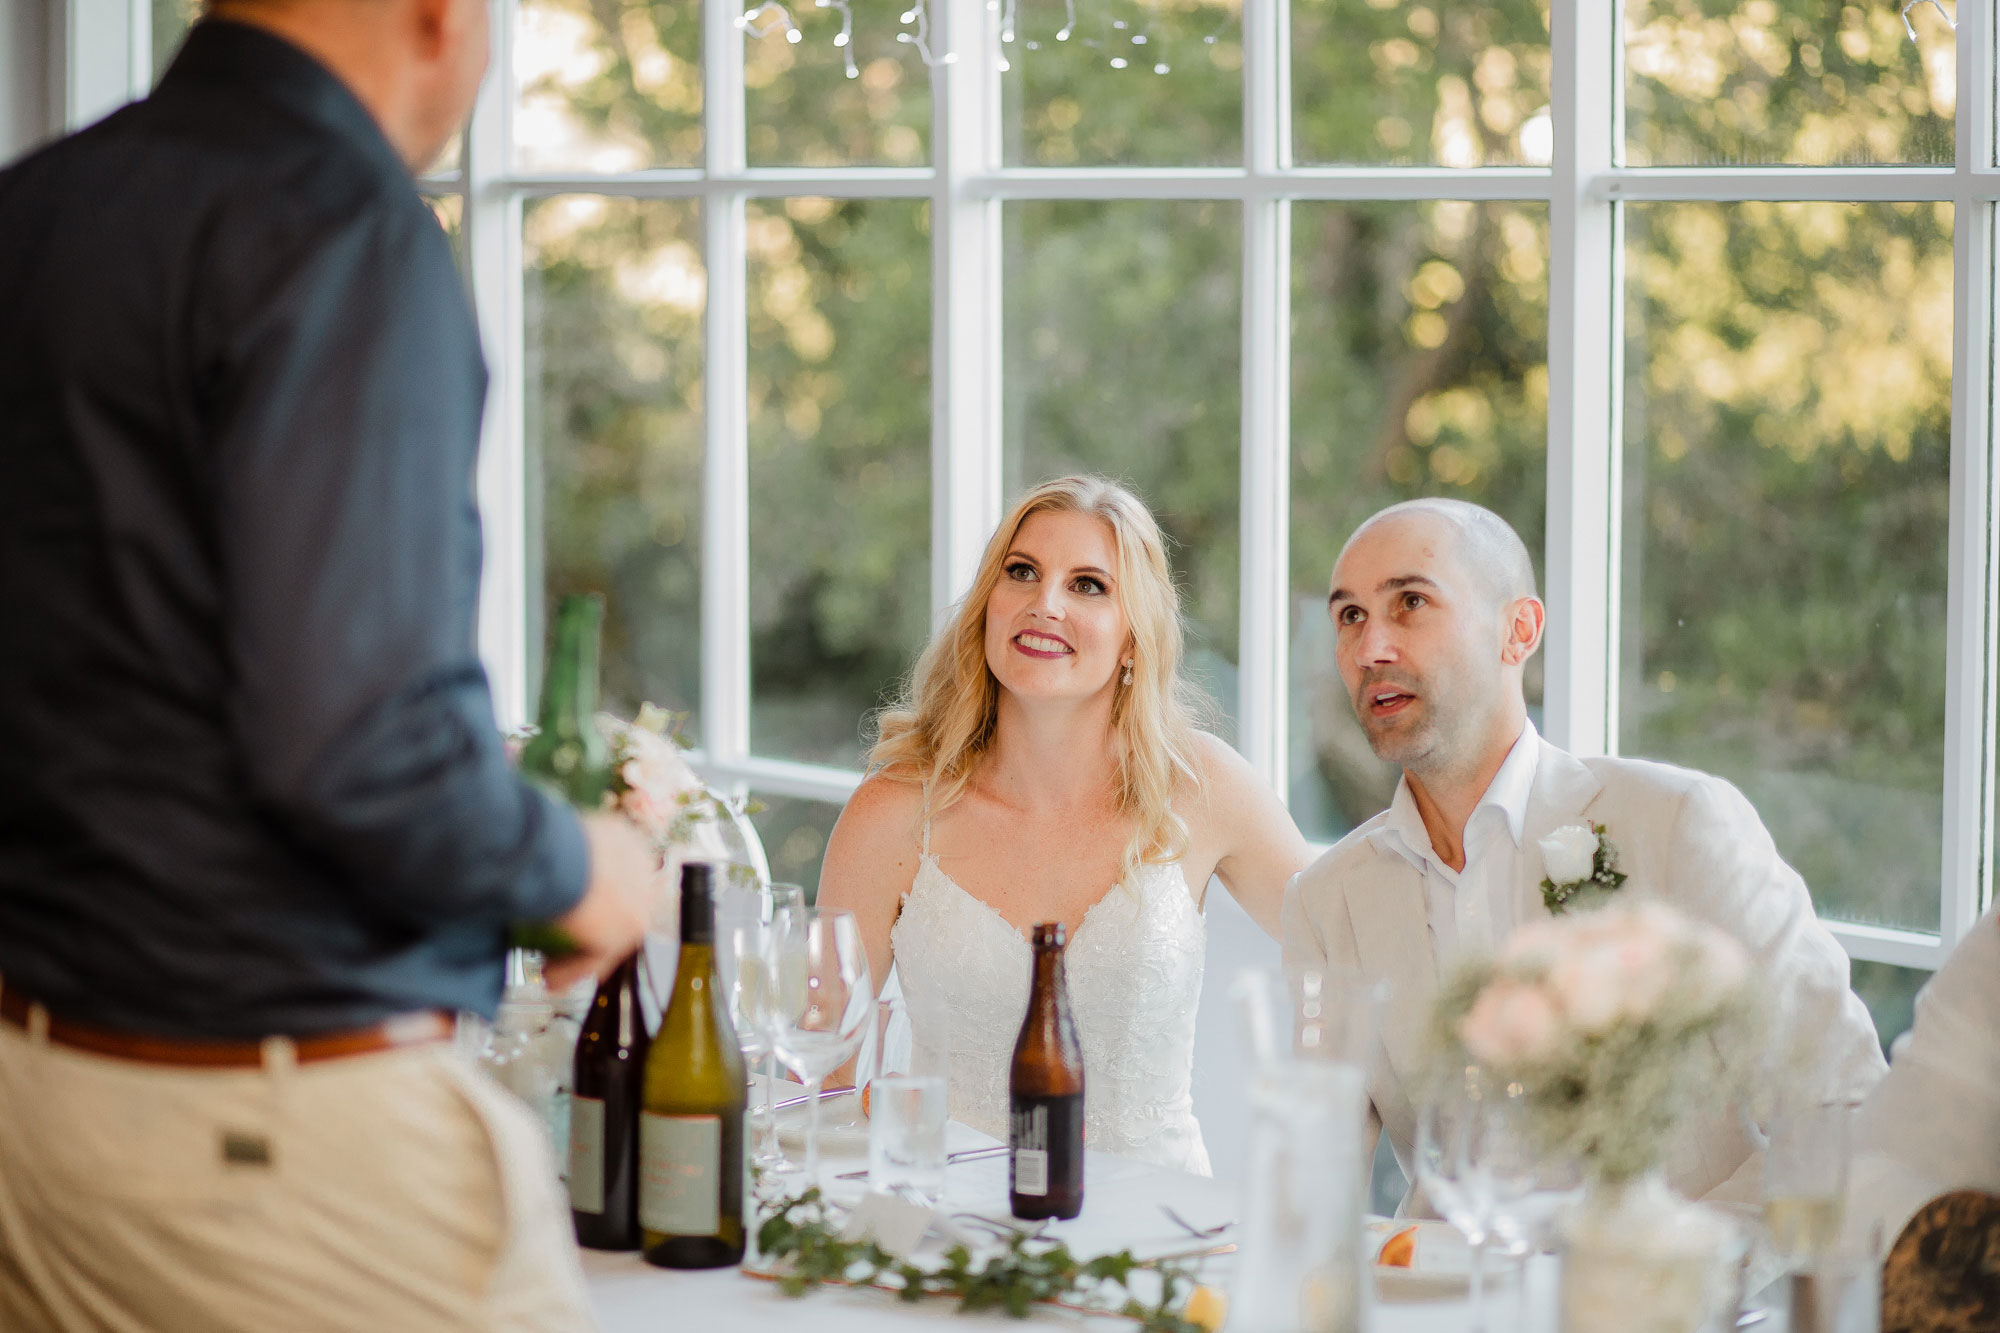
(604, 1114)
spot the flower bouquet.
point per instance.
(1618, 1024)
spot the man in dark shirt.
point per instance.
(258, 836)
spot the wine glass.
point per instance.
(775, 905)
(825, 1002)
(1472, 1162)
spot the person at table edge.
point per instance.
(1436, 616)
(258, 834)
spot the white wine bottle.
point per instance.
(691, 1125)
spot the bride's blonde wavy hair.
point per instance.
(936, 734)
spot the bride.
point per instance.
(1045, 766)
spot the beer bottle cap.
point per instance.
(1050, 935)
(697, 903)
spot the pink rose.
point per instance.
(1511, 1023)
(1588, 986)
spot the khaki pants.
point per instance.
(398, 1192)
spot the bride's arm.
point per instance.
(871, 860)
(1258, 847)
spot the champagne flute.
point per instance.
(825, 1003)
(1471, 1164)
(1805, 1178)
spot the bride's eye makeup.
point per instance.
(1089, 584)
(1019, 570)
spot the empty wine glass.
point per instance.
(825, 1002)
(1472, 1163)
(775, 905)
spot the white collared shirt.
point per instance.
(1471, 910)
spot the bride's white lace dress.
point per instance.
(1133, 966)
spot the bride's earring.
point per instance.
(1127, 678)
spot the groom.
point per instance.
(1436, 616)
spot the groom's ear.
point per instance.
(1526, 619)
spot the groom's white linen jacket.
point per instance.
(1683, 837)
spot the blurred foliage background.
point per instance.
(1786, 416)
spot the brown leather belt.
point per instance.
(413, 1029)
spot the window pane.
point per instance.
(840, 431)
(794, 835)
(1123, 352)
(1890, 993)
(171, 21)
(1801, 82)
(450, 212)
(1121, 83)
(607, 85)
(1434, 84)
(613, 332)
(804, 109)
(1787, 487)
(1419, 367)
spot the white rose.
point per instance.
(1569, 854)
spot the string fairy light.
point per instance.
(780, 20)
(917, 14)
(845, 40)
(1935, 4)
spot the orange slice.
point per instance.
(1400, 1250)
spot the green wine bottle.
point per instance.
(691, 1121)
(568, 756)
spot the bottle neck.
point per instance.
(569, 692)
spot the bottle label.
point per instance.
(1046, 1135)
(586, 1154)
(680, 1174)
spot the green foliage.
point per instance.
(803, 1249)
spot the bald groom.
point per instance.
(1434, 608)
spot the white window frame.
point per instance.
(1583, 189)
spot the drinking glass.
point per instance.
(1525, 1226)
(908, 1101)
(825, 1003)
(1472, 1162)
(1805, 1178)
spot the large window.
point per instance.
(1697, 293)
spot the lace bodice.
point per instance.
(1134, 970)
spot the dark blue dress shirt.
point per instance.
(250, 781)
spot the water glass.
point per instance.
(909, 1102)
(1805, 1177)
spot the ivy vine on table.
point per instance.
(802, 1249)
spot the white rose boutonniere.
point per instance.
(1579, 859)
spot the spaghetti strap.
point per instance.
(926, 835)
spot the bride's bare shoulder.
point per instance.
(882, 809)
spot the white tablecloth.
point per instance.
(1122, 1209)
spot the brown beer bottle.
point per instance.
(1045, 1094)
(604, 1114)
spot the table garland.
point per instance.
(801, 1249)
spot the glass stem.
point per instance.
(1479, 1285)
(812, 1132)
(767, 1131)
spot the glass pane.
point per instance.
(171, 21)
(607, 85)
(840, 446)
(614, 295)
(450, 211)
(1419, 367)
(1890, 993)
(1123, 352)
(1091, 83)
(1799, 82)
(1787, 488)
(819, 102)
(794, 835)
(1431, 84)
